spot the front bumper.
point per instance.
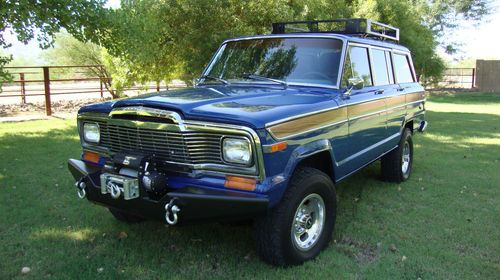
(195, 203)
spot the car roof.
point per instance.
(349, 38)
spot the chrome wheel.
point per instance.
(308, 222)
(406, 158)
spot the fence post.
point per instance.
(473, 77)
(46, 82)
(100, 81)
(23, 88)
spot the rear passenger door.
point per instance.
(365, 110)
(394, 97)
(408, 101)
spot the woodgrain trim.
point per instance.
(366, 108)
(413, 97)
(307, 123)
(396, 101)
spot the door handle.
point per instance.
(380, 91)
(400, 89)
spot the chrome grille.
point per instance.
(191, 147)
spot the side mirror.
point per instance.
(196, 81)
(355, 83)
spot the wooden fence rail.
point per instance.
(47, 76)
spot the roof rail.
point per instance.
(352, 26)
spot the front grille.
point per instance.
(183, 147)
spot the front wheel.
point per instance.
(397, 164)
(301, 225)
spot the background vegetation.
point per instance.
(441, 224)
(153, 40)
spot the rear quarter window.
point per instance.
(402, 69)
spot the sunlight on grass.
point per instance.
(493, 109)
(466, 140)
(53, 233)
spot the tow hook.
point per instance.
(171, 212)
(114, 190)
(80, 186)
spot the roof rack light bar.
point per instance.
(356, 26)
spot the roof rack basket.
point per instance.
(352, 26)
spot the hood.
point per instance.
(252, 106)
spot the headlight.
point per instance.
(91, 133)
(237, 150)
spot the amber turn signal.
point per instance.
(91, 157)
(240, 183)
(279, 146)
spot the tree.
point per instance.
(82, 18)
(163, 39)
(69, 51)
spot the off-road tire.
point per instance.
(273, 232)
(125, 217)
(392, 163)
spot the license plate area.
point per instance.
(117, 186)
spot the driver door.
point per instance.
(365, 111)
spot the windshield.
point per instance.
(292, 60)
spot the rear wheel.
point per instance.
(125, 217)
(397, 165)
(301, 225)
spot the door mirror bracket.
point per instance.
(354, 83)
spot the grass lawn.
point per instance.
(443, 223)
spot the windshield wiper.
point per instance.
(264, 78)
(209, 77)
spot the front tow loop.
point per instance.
(171, 212)
(80, 189)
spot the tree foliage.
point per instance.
(163, 39)
(166, 39)
(43, 19)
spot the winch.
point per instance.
(126, 173)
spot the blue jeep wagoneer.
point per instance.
(273, 123)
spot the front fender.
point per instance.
(304, 151)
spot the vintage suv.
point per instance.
(271, 126)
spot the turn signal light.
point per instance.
(240, 183)
(91, 157)
(279, 147)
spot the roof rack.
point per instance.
(353, 26)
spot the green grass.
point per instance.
(443, 223)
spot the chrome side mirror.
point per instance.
(355, 83)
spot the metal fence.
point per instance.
(43, 83)
(458, 78)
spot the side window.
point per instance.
(389, 67)
(380, 71)
(357, 65)
(402, 69)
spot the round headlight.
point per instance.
(91, 132)
(237, 150)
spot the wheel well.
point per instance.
(321, 161)
(409, 125)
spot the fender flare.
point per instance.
(304, 151)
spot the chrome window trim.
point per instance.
(255, 171)
(323, 36)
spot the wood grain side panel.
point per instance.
(395, 101)
(413, 97)
(366, 108)
(307, 123)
